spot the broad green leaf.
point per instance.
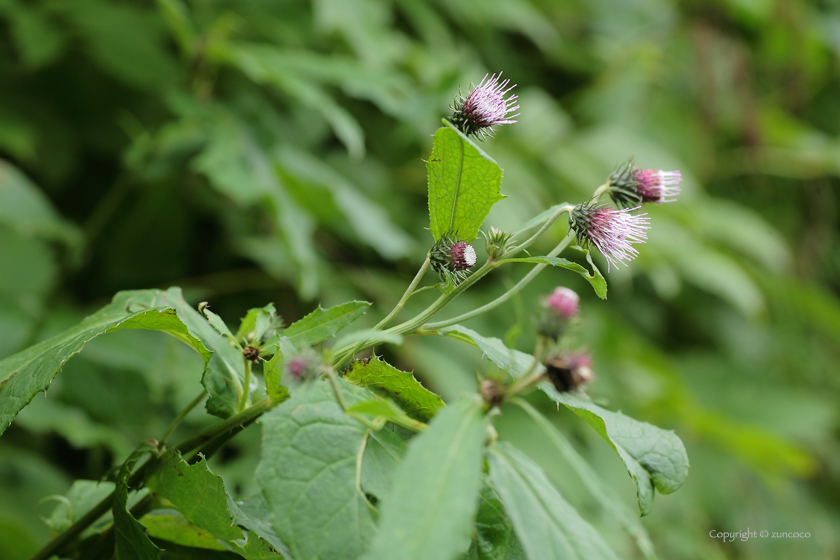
(197, 493)
(548, 527)
(254, 515)
(464, 184)
(400, 386)
(653, 456)
(27, 373)
(322, 323)
(493, 528)
(384, 452)
(595, 277)
(431, 506)
(603, 492)
(130, 539)
(178, 529)
(308, 473)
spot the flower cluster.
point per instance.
(630, 186)
(484, 107)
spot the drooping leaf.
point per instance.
(464, 184)
(430, 509)
(595, 277)
(308, 474)
(653, 456)
(493, 528)
(400, 386)
(27, 373)
(322, 323)
(548, 527)
(600, 490)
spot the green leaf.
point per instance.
(548, 527)
(400, 386)
(384, 408)
(384, 452)
(431, 506)
(197, 493)
(370, 336)
(653, 456)
(273, 369)
(257, 323)
(595, 278)
(130, 539)
(254, 515)
(80, 499)
(177, 529)
(464, 184)
(322, 324)
(493, 528)
(27, 373)
(219, 324)
(603, 492)
(308, 473)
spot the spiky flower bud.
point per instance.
(484, 107)
(560, 308)
(496, 242)
(612, 231)
(570, 371)
(631, 186)
(452, 258)
(302, 367)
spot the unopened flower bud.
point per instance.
(452, 258)
(484, 107)
(560, 308)
(612, 231)
(496, 242)
(631, 186)
(568, 372)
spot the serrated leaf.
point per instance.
(464, 184)
(308, 474)
(31, 371)
(254, 515)
(130, 539)
(400, 386)
(548, 527)
(600, 490)
(653, 456)
(595, 277)
(430, 509)
(322, 323)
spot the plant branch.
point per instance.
(178, 419)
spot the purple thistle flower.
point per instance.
(564, 302)
(462, 255)
(484, 107)
(656, 186)
(612, 231)
(631, 186)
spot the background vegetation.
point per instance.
(270, 150)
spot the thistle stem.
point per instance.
(507, 295)
(530, 241)
(246, 389)
(410, 291)
(181, 415)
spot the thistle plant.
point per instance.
(359, 459)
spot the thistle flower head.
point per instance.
(484, 107)
(451, 258)
(569, 371)
(303, 367)
(563, 302)
(631, 186)
(612, 231)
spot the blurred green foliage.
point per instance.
(270, 150)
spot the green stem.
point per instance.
(408, 293)
(507, 295)
(530, 241)
(178, 419)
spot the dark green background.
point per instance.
(270, 150)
